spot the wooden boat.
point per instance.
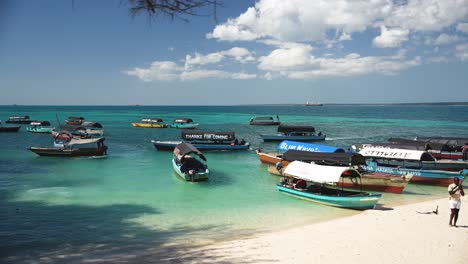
(151, 123)
(431, 177)
(264, 121)
(19, 120)
(189, 163)
(273, 158)
(74, 120)
(40, 127)
(184, 123)
(68, 149)
(411, 159)
(319, 190)
(296, 133)
(203, 140)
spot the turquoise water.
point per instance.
(56, 209)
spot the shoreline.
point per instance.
(399, 234)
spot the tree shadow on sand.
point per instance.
(36, 232)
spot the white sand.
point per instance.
(406, 234)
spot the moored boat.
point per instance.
(67, 148)
(205, 141)
(151, 123)
(9, 129)
(264, 121)
(189, 163)
(319, 190)
(19, 120)
(313, 104)
(296, 133)
(184, 123)
(83, 131)
(40, 127)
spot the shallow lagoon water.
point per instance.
(132, 201)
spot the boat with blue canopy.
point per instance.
(273, 158)
(204, 140)
(40, 127)
(184, 123)
(189, 163)
(289, 132)
(315, 183)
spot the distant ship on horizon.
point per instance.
(313, 104)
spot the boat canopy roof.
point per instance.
(152, 120)
(405, 144)
(337, 159)
(184, 148)
(214, 136)
(75, 118)
(289, 128)
(183, 120)
(396, 154)
(451, 141)
(19, 117)
(263, 118)
(81, 141)
(319, 173)
(286, 145)
(40, 123)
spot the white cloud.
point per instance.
(290, 57)
(242, 55)
(159, 70)
(462, 52)
(390, 38)
(444, 39)
(462, 27)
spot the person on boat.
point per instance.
(301, 184)
(455, 191)
(465, 151)
(427, 147)
(319, 133)
(236, 142)
(242, 142)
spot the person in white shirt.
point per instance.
(455, 191)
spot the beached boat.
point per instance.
(67, 148)
(411, 159)
(430, 177)
(264, 121)
(439, 147)
(273, 158)
(19, 120)
(319, 190)
(297, 133)
(184, 123)
(205, 141)
(189, 163)
(151, 123)
(40, 127)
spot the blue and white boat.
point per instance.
(320, 184)
(297, 133)
(40, 127)
(184, 123)
(189, 163)
(205, 141)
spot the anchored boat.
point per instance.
(184, 123)
(189, 163)
(40, 127)
(19, 120)
(264, 121)
(297, 133)
(65, 146)
(151, 123)
(205, 141)
(9, 129)
(314, 182)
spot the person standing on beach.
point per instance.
(455, 191)
(465, 151)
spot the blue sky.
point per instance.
(265, 52)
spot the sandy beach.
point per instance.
(404, 234)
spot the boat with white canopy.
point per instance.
(319, 183)
(65, 145)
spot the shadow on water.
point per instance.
(36, 232)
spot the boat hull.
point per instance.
(446, 165)
(268, 158)
(170, 145)
(144, 125)
(184, 126)
(10, 129)
(430, 177)
(360, 202)
(274, 123)
(198, 176)
(61, 152)
(290, 137)
(40, 129)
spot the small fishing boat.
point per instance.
(40, 127)
(264, 121)
(83, 131)
(8, 129)
(439, 147)
(184, 123)
(323, 186)
(74, 120)
(19, 120)
(411, 159)
(151, 123)
(189, 163)
(297, 133)
(65, 146)
(203, 140)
